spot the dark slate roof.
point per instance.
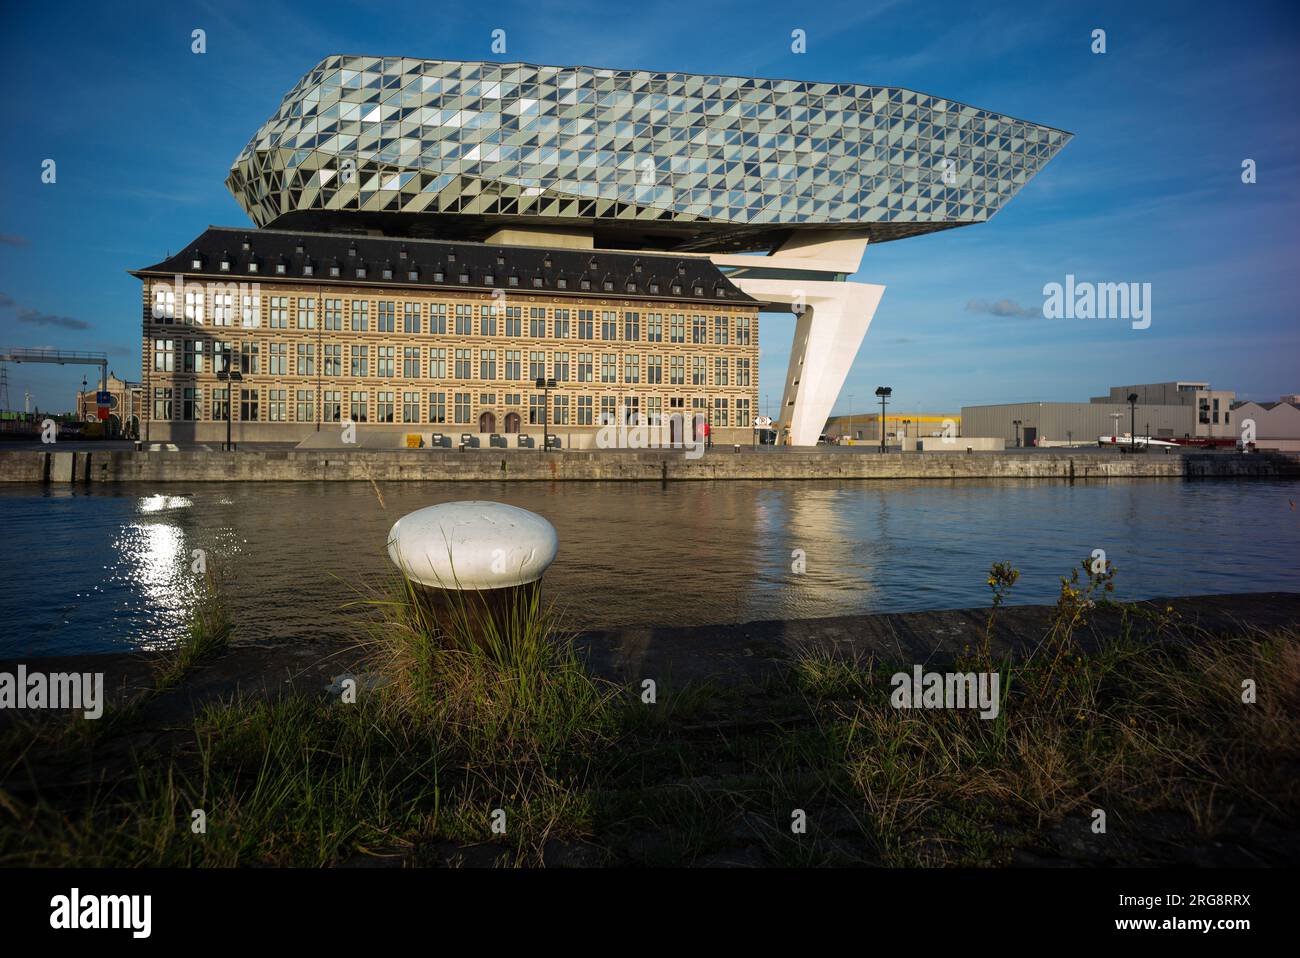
(485, 266)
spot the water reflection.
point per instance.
(109, 567)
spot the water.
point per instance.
(108, 568)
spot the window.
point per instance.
(742, 372)
(164, 304)
(677, 330)
(514, 364)
(631, 409)
(654, 370)
(194, 305)
(306, 313)
(742, 412)
(719, 371)
(487, 364)
(537, 322)
(333, 411)
(385, 318)
(276, 405)
(699, 371)
(410, 407)
(248, 358)
(632, 327)
(608, 325)
(220, 403)
(222, 309)
(585, 323)
(411, 318)
(360, 315)
(560, 410)
(720, 331)
(584, 410)
(358, 406)
(248, 405)
(438, 319)
(742, 331)
(464, 320)
(462, 407)
(222, 356)
(306, 359)
(192, 356)
(410, 362)
(250, 316)
(437, 364)
(609, 367)
(535, 410)
(437, 407)
(608, 411)
(306, 411)
(561, 367)
(360, 361)
(334, 314)
(278, 359)
(384, 407)
(720, 412)
(631, 368)
(561, 324)
(699, 329)
(333, 359)
(584, 368)
(654, 410)
(677, 370)
(488, 320)
(462, 364)
(536, 365)
(654, 328)
(278, 312)
(191, 403)
(514, 320)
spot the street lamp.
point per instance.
(545, 385)
(850, 419)
(1132, 429)
(229, 376)
(884, 392)
(1016, 423)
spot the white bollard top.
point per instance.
(472, 546)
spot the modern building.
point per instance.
(900, 427)
(1171, 411)
(421, 336)
(1274, 425)
(706, 171)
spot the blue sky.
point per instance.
(143, 132)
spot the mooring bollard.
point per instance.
(479, 563)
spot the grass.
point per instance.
(481, 714)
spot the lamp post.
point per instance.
(229, 376)
(545, 385)
(906, 423)
(1132, 429)
(1016, 423)
(884, 392)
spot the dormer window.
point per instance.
(361, 272)
(699, 290)
(591, 263)
(451, 256)
(299, 249)
(654, 287)
(308, 270)
(677, 289)
(252, 266)
(609, 286)
(562, 283)
(413, 275)
(388, 272)
(631, 287)
(279, 269)
(196, 263)
(225, 266)
(334, 270)
(719, 292)
(247, 245)
(547, 262)
(681, 269)
(501, 260)
(636, 267)
(352, 249)
(487, 279)
(537, 282)
(401, 254)
(514, 280)
(586, 284)
(464, 277)
(438, 276)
